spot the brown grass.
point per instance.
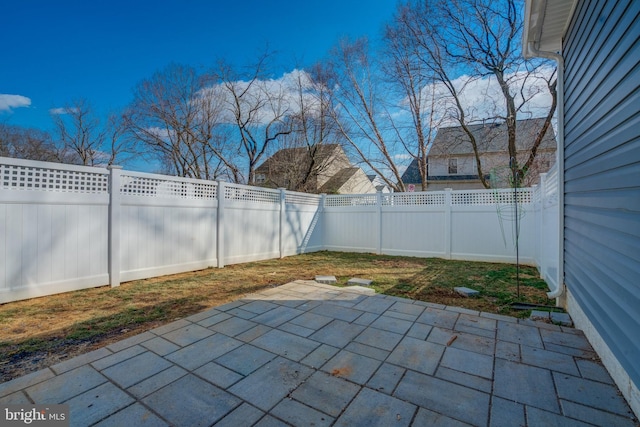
(42, 331)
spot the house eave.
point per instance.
(545, 24)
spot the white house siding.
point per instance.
(602, 182)
(494, 164)
(359, 183)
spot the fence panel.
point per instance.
(414, 231)
(414, 224)
(251, 224)
(548, 228)
(467, 224)
(487, 224)
(167, 225)
(488, 233)
(350, 223)
(53, 228)
(301, 226)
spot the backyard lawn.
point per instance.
(44, 331)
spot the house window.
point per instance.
(453, 166)
(260, 178)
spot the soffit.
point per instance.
(546, 22)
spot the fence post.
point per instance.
(220, 225)
(283, 215)
(542, 227)
(115, 201)
(323, 200)
(543, 187)
(379, 222)
(534, 204)
(448, 201)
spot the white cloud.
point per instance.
(159, 132)
(62, 110)
(9, 102)
(482, 98)
(274, 96)
(400, 157)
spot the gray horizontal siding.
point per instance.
(602, 172)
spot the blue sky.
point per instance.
(57, 51)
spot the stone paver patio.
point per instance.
(311, 354)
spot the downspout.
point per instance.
(531, 51)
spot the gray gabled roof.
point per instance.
(286, 156)
(491, 138)
(412, 174)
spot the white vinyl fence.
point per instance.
(54, 223)
(547, 226)
(66, 227)
(476, 225)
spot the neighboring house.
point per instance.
(379, 184)
(351, 180)
(452, 163)
(322, 169)
(599, 152)
(411, 176)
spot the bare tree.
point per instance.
(420, 102)
(86, 140)
(180, 120)
(480, 38)
(257, 106)
(27, 143)
(120, 149)
(361, 111)
(80, 134)
(302, 158)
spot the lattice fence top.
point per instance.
(536, 193)
(495, 197)
(43, 176)
(251, 194)
(167, 188)
(21, 177)
(413, 199)
(434, 198)
(302, 199)
(351, 200)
